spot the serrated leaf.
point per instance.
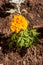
(33, 31)
(26, 44)
(19, 39)
(13, 37)
(26, 33)
(21, 33)
(22, 43)
(10, 45)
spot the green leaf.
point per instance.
(19, 39)
(10, 45)
(21, 43)
(13, 36)
(24, 38)
(25, 34)
(21, 33)
(26, 44)
(33, 31)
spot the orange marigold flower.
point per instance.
(18, 23)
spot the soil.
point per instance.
(33, 11)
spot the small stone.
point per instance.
(24, 63)
(0, 48)
(1, 64)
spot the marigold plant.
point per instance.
(18, 23)
(22, 36)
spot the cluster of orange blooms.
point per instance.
(18, 23)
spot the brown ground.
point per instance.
(34, 13)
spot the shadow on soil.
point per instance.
(40, 30)
(5, 8)
(6, 49)
(3, 14)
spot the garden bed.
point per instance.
(34, 13)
